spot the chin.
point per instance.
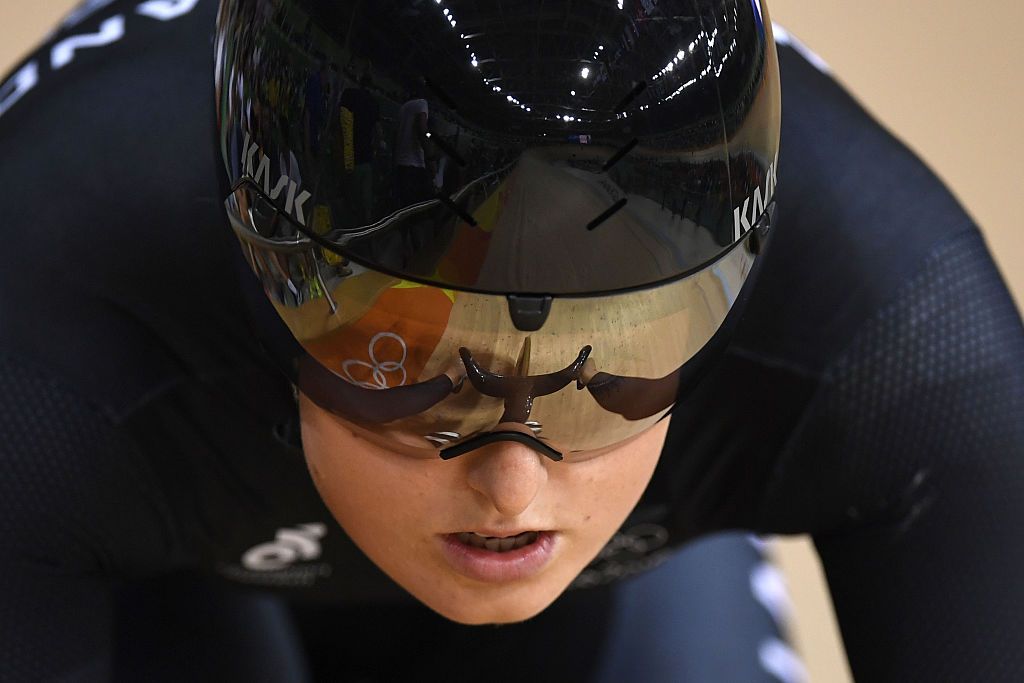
(479, 610)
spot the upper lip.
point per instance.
(499, 533)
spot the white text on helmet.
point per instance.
(753, 206)
(260, 174)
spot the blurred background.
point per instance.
(942, 75)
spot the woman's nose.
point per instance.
(509, 475)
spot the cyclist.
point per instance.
(593, 340)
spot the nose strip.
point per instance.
(493, 437)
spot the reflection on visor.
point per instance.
(422, 161)
(392, 356)
(518, 392)
(634, 398)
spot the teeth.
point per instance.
(526, 539)
(495, 544)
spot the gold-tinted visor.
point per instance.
(429, 368)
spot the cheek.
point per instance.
(368, 494)
(391, 506)
(608, 487)
(387, 506)
(332, 471)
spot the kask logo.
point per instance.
(260, 173)
(744, 217)
(289, 546)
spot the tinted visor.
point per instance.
(532, 147)
(428, 368)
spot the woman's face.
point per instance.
(492, 536)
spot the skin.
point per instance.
(397, 507)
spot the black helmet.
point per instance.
(481, 222)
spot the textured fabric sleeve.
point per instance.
(76, 509)
(913, 456)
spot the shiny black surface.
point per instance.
(567, 149)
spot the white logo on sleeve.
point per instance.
(26, 78)
(111, 31)
(166, 10)
(291, 545)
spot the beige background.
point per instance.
(944, 75)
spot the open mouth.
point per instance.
(500, 559)
(497, 544)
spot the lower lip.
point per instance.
(494, 567)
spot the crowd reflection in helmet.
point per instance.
(396, 169)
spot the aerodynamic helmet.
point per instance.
(481, 221)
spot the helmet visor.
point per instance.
(427, 368)
(558, 150)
